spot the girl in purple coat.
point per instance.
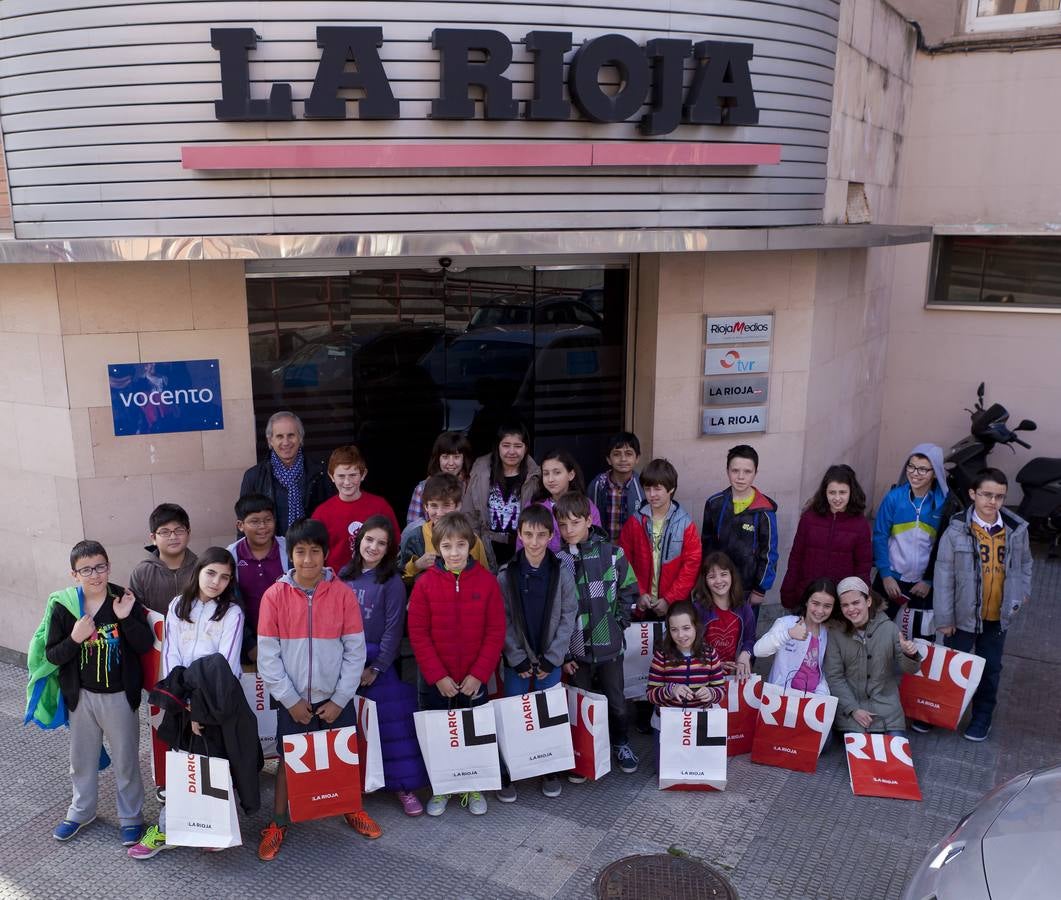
(372, 574)
(833, 538)
(729, 622)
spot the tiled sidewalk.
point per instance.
(778, 834)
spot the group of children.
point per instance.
(507, 561)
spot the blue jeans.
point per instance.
(989, 644)
(515, 686)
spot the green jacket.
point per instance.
(44, 702)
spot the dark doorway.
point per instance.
(388, 359)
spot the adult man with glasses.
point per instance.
(165, 571)
(297, 482)
(983, 576)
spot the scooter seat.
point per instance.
(1040, 471)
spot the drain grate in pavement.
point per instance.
(662, 876)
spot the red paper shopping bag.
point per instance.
(939, 692)
(323, 773)
(792, 728)
(588, 714)
(742, 703)
(881, 766)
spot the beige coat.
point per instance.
(477, 497)
(865, 674)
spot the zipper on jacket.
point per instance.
(309, 628)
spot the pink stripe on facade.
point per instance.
(475, 156)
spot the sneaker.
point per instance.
(475, 802)
(507, 794)
(151, 844)
(411, 805)
(131, 834)
(921, 727)
(363, 824)
(551, 786)
(574, 778)
(977, 732)
(272, 838)
(626, 757)
(437, 804)
(68, 828)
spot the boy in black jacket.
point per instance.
(98, 657)
(741, 521)
(541, 604)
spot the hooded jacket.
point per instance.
(607, 592)
(679, 552)
(155, 584)
(862, 674)
(906, 528)
(311, 649)
(749, 539)
(561, 610)
(957, 593)
(834, 546)
(208, 693)
(456, 623)
(476, 504)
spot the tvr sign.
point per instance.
(719, 93)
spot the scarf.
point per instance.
(291, 479)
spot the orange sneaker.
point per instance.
(364, 824)
(272, 838)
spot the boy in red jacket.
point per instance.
(663, 547)
(457, 631)
(661, 543)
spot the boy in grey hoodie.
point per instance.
(164, 573)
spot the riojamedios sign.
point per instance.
(720, 92)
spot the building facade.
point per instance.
(409, 218)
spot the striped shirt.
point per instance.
(666, 674)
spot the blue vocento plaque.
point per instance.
(163, 397)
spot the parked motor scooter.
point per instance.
(1040, 479)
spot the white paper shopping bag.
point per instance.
(534, 733)
(264, 707)
(200, 802)
(641, 640)
(459, 747)
(692, 748)
(368, 745)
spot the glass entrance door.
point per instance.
(388, 359)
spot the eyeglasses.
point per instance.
(918, 470)
(167, 533)
(991, 498)
(259, 523)
(99, 569)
